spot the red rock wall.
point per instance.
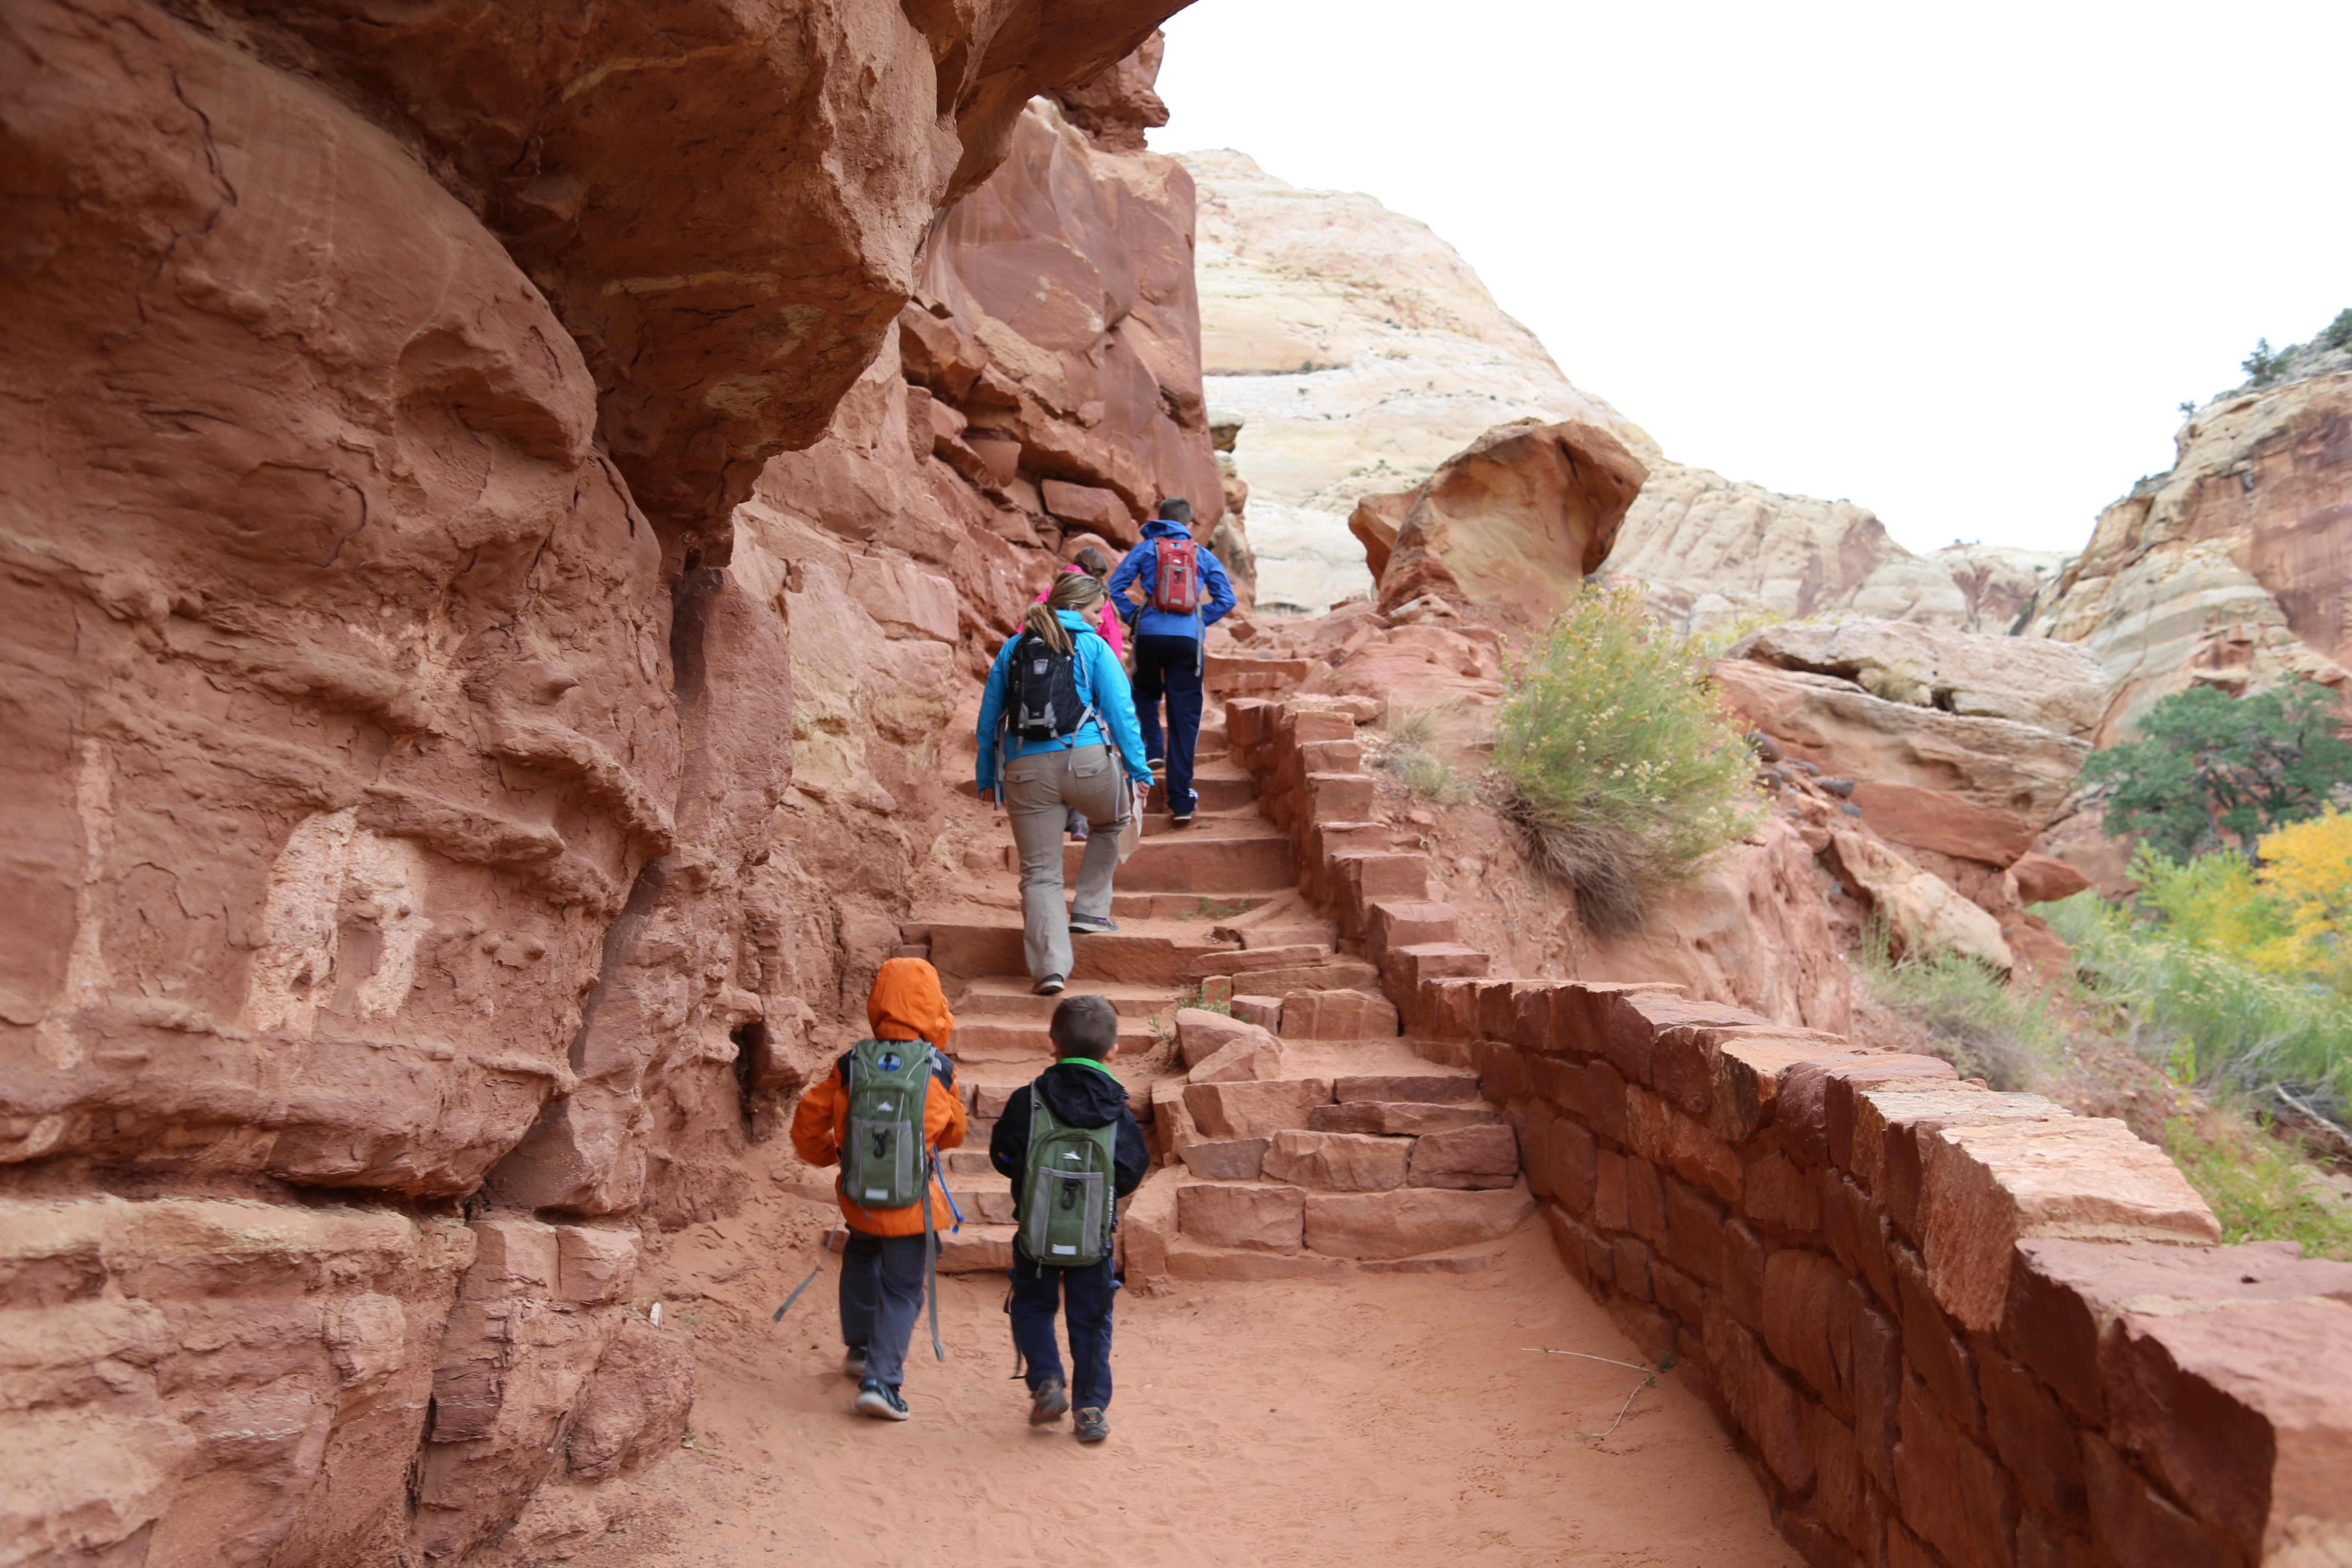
(1948, 1327)
(402, 809)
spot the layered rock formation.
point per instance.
(1357, 351)
(1707, 550)
(403, 800)
(2235, 569)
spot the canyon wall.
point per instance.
(2233, 568)
(430, 840)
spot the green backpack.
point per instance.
(885, 1163)
(1064, 1204)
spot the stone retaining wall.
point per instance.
(1947, 1326)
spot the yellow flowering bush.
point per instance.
(1624, 774)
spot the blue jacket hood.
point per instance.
(1166, 528)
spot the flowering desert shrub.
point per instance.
(1622, 772)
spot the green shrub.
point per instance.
(2262, 366)
(2337, 333)
(2210, 768)
(1623, 775)
(1972, 1018)
(2262, 1192)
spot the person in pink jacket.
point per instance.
(1091, 562)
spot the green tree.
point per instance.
(2211, 770)
(2263, 365)
(2337, 333)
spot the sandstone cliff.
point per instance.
(422, 808)
(2234, 568)
(1357, 351)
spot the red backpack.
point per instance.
(1175, 576)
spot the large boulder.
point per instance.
(1515, 521)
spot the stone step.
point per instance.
(1219, 791)
(998, 998)
(1334, 974)
(1202, 907)
(1014, 1039)
(964, 952)
(969, 1160)
(981, 1248)
(1206, 858)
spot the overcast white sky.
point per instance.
(1957, 264)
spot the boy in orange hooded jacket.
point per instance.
(882, 1266)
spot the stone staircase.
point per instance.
(1294, 1134)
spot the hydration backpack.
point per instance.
(1175, 576)
(1042, 701)
(1065, 1203)
(884, 1161)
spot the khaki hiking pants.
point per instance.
(1039, 790)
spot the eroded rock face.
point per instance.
(401, 751)
(2033, 682)
(2232, 570)
(1977, 789)
(1513, 521)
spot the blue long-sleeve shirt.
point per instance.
(1101, 683)
(1159, 623)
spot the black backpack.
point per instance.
(1042, 701)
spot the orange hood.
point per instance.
(906, 1004)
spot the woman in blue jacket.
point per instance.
(1040, 780)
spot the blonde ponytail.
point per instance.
(1071, 591)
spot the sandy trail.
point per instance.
(1392, 1418)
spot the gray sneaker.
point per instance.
(1091, 925)
(1049, 987)
(882, 1404)
(1092, 1426)
(1048, 1402)
(852, 1362)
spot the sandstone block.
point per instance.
(1889, 1124)
(1467, 1157)
(1627, 1022)
(1257, 1219)
(1631, 1266)
(1406, 968)
(1339, 1161)
(1803, 1113)
(1266, 1012)
(1244, 1060)
(2244, 1415)
(2035, 1438)
(1779, 1191)
(2136, 1523)
(1938, 1355)
(1202, 1034)
(1594, 1095)
(1228, 1160)
(634, 1407)
(1608, 1207)
(595, 1266)
(1749, 1073)
(1694, 1231)
(2042, 879)
(1682, 1298)
(1422, 1089)
(1807, 1326)
(1559, 1154)
(1645, 1200)
(1342, 797)
(1744, 1256)
(1337, 1015)
(1954, 1495)
(1149, 1226)
(1191, 1259)
(1411, 1220)
(1172, 1127)
(1258, 1109)
(1987, 1188)
(1388, 1117)
(1408, 922)
(1666, 1137)
(1448, 1009)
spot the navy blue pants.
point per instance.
(1170, 667)
(881, 1296)
(1086, 1295)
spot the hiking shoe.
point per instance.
(1048, 1402)
(1159, 769)
(852, 1362)
(1079, 833)
(1091, 925)
(1049, 987)
(1181, 818)
(882, 1404)
(1092, 1426)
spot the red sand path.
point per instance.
(1391, 1419)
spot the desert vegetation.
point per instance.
(1618, 769)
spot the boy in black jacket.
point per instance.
(1080, 1091)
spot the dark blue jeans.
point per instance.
(1086, 1293)
(881, 1296)
(1170, 666)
